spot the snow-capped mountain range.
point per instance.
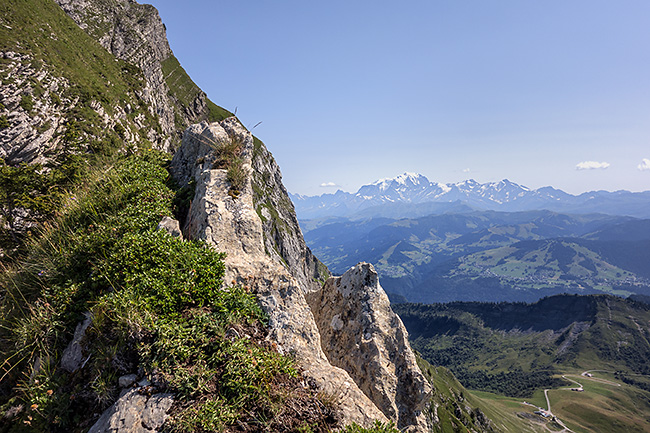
(412, 194)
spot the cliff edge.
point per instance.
(235, 224)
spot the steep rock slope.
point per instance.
(54, 100)
(283, 239)
(231, 223)
(361, 334)
(135, 33)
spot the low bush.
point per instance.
(157, 306)
(377, 427)
(228, 156)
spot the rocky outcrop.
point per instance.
(135, 33)
(233, 226)
(137, 411)
(32, 121)
(236, 225)
(72, 358)
(362, 335)
(171, 226)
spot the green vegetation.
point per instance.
(519, 349)
(185, 91)
(565, 264)
(488, 256)
(228, 156)
(43, 31)
(217, 113)
(26, 102)
(179, 83)
(88, 77)
(156, 304)
(449, 408)
(602, 406)
(377, 427)
(514, 349)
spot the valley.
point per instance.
(581, 358)
(155, 277)
(491, 256)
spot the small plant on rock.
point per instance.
(228, 156)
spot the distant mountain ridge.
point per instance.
(416, 191)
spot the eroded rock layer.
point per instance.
(361, 334)
(232, 225)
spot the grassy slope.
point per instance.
(457, 406)
(617, 340)
(184, 91)
(101, 253)
(42, 30)
(559, 263)
(89, 77)
(600, 408)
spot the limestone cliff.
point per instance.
(362, 335)
(52, 106)
(135, 33)
(236, 225)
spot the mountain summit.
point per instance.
(419, 193)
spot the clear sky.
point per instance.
(553, 92)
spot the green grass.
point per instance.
(180, 84)
(449, 403)
(503, 411)
(156, 304)
(521, 268)
(185, 91)
(88, 75)
(42, 30)
(377, 427)
(602, 407)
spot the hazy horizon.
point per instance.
(335, 188)
(544, 94)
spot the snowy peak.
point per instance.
(406, 187)
(405, 179)
(415, 189)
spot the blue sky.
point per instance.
(539, 92)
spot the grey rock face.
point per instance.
(36, 135)
(127, 380)
(361, 334)
(135, 33)
(171, 226)
(72, 358)
(241, 227)
(30, 133)
(135, 412)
